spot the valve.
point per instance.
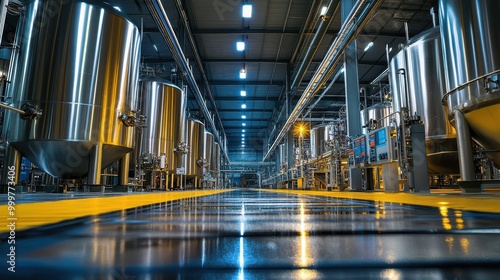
(31, 111)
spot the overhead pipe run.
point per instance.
(350, 29)
(324, 24)
(163, 23)
(199, 63)
(335, 78)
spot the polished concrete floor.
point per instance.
(253, 234)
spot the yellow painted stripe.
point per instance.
(37, 214)
(478, 202)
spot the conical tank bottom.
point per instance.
(483, 122)
(67, 159)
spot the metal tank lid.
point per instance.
(194, 120)
(431, 33)
(424, 35)
(152, 78)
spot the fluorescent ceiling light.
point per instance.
(243, 131)
(243, 74)
(154, 46)
(243, 106)
(243, 116)
(247, 11)
(244, 124)
(240, 46)
(323, 11)
(243, 93)
(368, 46)
(117, 8)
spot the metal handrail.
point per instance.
(444, 100)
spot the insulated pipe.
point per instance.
(160, 16)
(313, 46)
(356, 21)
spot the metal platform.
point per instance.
(254, 234)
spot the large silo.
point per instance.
(471, 45)
(78, 62)
(164, 107)
(417, 78)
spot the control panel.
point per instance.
(381, 147)
(357, 155)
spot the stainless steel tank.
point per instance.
(78, 62)
(196, 142)
(471, 45)
(376, 114)
(164, 106)
(209, 147)
(424, 74)
(319, 136)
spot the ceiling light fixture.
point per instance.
(243, 93)
(323, 11)
(243, 116)
(243, 106)
(240, 46)
(243, 131)
(244, 124)
(117, 8)
(154, 46)
(247, 10)
(243, 73)
(368, 46)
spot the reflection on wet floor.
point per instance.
(247, 234)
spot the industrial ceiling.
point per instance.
(280, 58)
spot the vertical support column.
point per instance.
(420, 181)
(465, 155)
(94, 177)
(124, 165)
(290, 158)
(352, 95)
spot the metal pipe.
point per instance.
(160, 16)
(6, 106)
(381, 76)
(407, 33)
(313, 46)
(198, 61)
(335, 78)
(433, 15)
(352, 26)
(445, 97)
(464, 145)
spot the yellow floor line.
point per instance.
(29, 215)
(466, 202)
